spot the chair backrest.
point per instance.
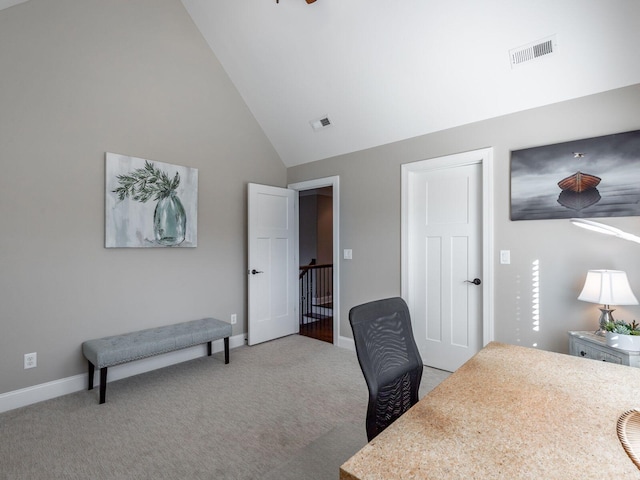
(389, 359)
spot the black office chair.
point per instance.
(389, 359)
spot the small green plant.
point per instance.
(623, 328)
(145, 183)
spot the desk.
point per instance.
(509, 413)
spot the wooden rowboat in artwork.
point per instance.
(579, 182)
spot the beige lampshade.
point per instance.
(607, 287)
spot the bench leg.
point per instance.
(103, 385)
(226, 350)
(209, 349)
(91, 372)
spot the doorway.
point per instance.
(317, 205)
(446, 255)
(315, 251)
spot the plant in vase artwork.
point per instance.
(169, 218)
(132, 224)
(623, 335)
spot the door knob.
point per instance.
(475, 281)
(254, 271)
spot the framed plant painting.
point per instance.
(150, 204)
(594, 177)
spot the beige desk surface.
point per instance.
(510, 413)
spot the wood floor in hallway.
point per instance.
(322, 329)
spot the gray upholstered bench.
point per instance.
(109, 351)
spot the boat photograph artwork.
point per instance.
(593, 177)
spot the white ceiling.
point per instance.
(386, 70)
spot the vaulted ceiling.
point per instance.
(383, 71)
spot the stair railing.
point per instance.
(316, 292)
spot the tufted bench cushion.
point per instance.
(117, 349)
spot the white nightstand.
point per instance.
(589, 345)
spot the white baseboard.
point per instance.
(76, 383)
(346, 342)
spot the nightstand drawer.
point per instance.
(594, 347)
(582, 349)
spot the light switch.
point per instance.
(348, 254)
(505, 257)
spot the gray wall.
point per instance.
(308, 228)
(325, 229)
(80, 78)
(370, 219)
(316, 226)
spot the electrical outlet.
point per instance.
(234, 318)
(30, 360)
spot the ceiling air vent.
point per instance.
(320, 123)
(533, 51)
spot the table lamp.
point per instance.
(607, 287)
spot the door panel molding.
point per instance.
(485, 158)
(272, 263)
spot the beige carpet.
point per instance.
(292, 408)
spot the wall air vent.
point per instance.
(320, 123)
(533, 51)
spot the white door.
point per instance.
(272, 261)
(444, 216)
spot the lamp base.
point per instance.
(605, 317)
